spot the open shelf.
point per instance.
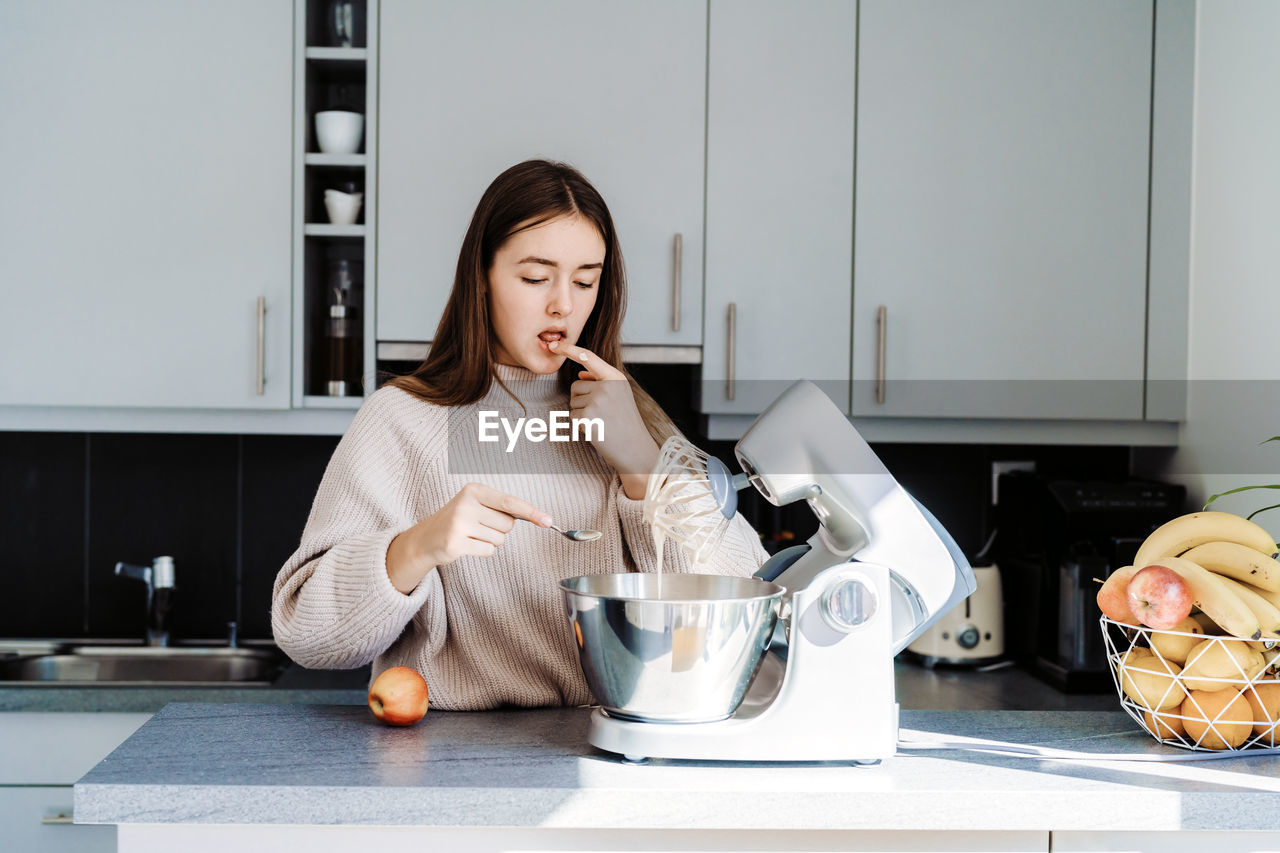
(337, 54)
(320, 229)
(333, 268)
(314, 158)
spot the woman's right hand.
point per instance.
(473, 523)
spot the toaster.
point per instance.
(972, 632)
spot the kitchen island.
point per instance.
(217, 776)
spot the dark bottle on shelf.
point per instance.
(346, 351)
(344, 338)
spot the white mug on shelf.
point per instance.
(344, 208)
(339, 131)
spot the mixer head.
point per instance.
(804, 448)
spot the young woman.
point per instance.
(429, 545)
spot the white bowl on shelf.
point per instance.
(339, 131)
(343, 208)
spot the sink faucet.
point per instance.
(159, 580)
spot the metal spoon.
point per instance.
(579, 535)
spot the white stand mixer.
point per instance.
(879, 571)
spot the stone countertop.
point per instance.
(333, 765)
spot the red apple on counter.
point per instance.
(1113, 597)
(398, 697)
(1159, 597)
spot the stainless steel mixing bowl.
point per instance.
(685, 657)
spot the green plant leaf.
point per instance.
(1213, 498)
(1264, 509)
(1273, 438)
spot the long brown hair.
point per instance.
(458, 369)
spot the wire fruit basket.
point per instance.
(1196, 690)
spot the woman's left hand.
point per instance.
(602, 391)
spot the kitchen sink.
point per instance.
(140, 665)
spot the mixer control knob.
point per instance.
(967, 636)
(848, 604)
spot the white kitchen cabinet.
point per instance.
(616, 89)
(267, 838)
(1175, 841)
(38, 820)
(1003, 159)
(43, 755)
(780, 137)
(147, 207)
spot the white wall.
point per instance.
(1234, 348)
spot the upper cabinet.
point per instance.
(780, 138)
(1003, 168)
(944, 212)
(616, 89)
(147, 255)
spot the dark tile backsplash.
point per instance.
(230, 510)
(954, 481)
(163, 494)
(42, 523)
(281, 475)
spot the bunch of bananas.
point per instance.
(1230, 564)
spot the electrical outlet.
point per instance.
(1004, 467)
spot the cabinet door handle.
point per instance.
(262, 342)
(882, 330)
(57, 819)
(677, 262)
(732, 346)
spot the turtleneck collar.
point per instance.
(528, 386)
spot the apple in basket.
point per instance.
(1159, 597)
(398, 697)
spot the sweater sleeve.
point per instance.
(738, 553)
(333, 605)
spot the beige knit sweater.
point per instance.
(484, 632)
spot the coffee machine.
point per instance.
(1058, 538)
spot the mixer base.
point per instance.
(830, 700)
